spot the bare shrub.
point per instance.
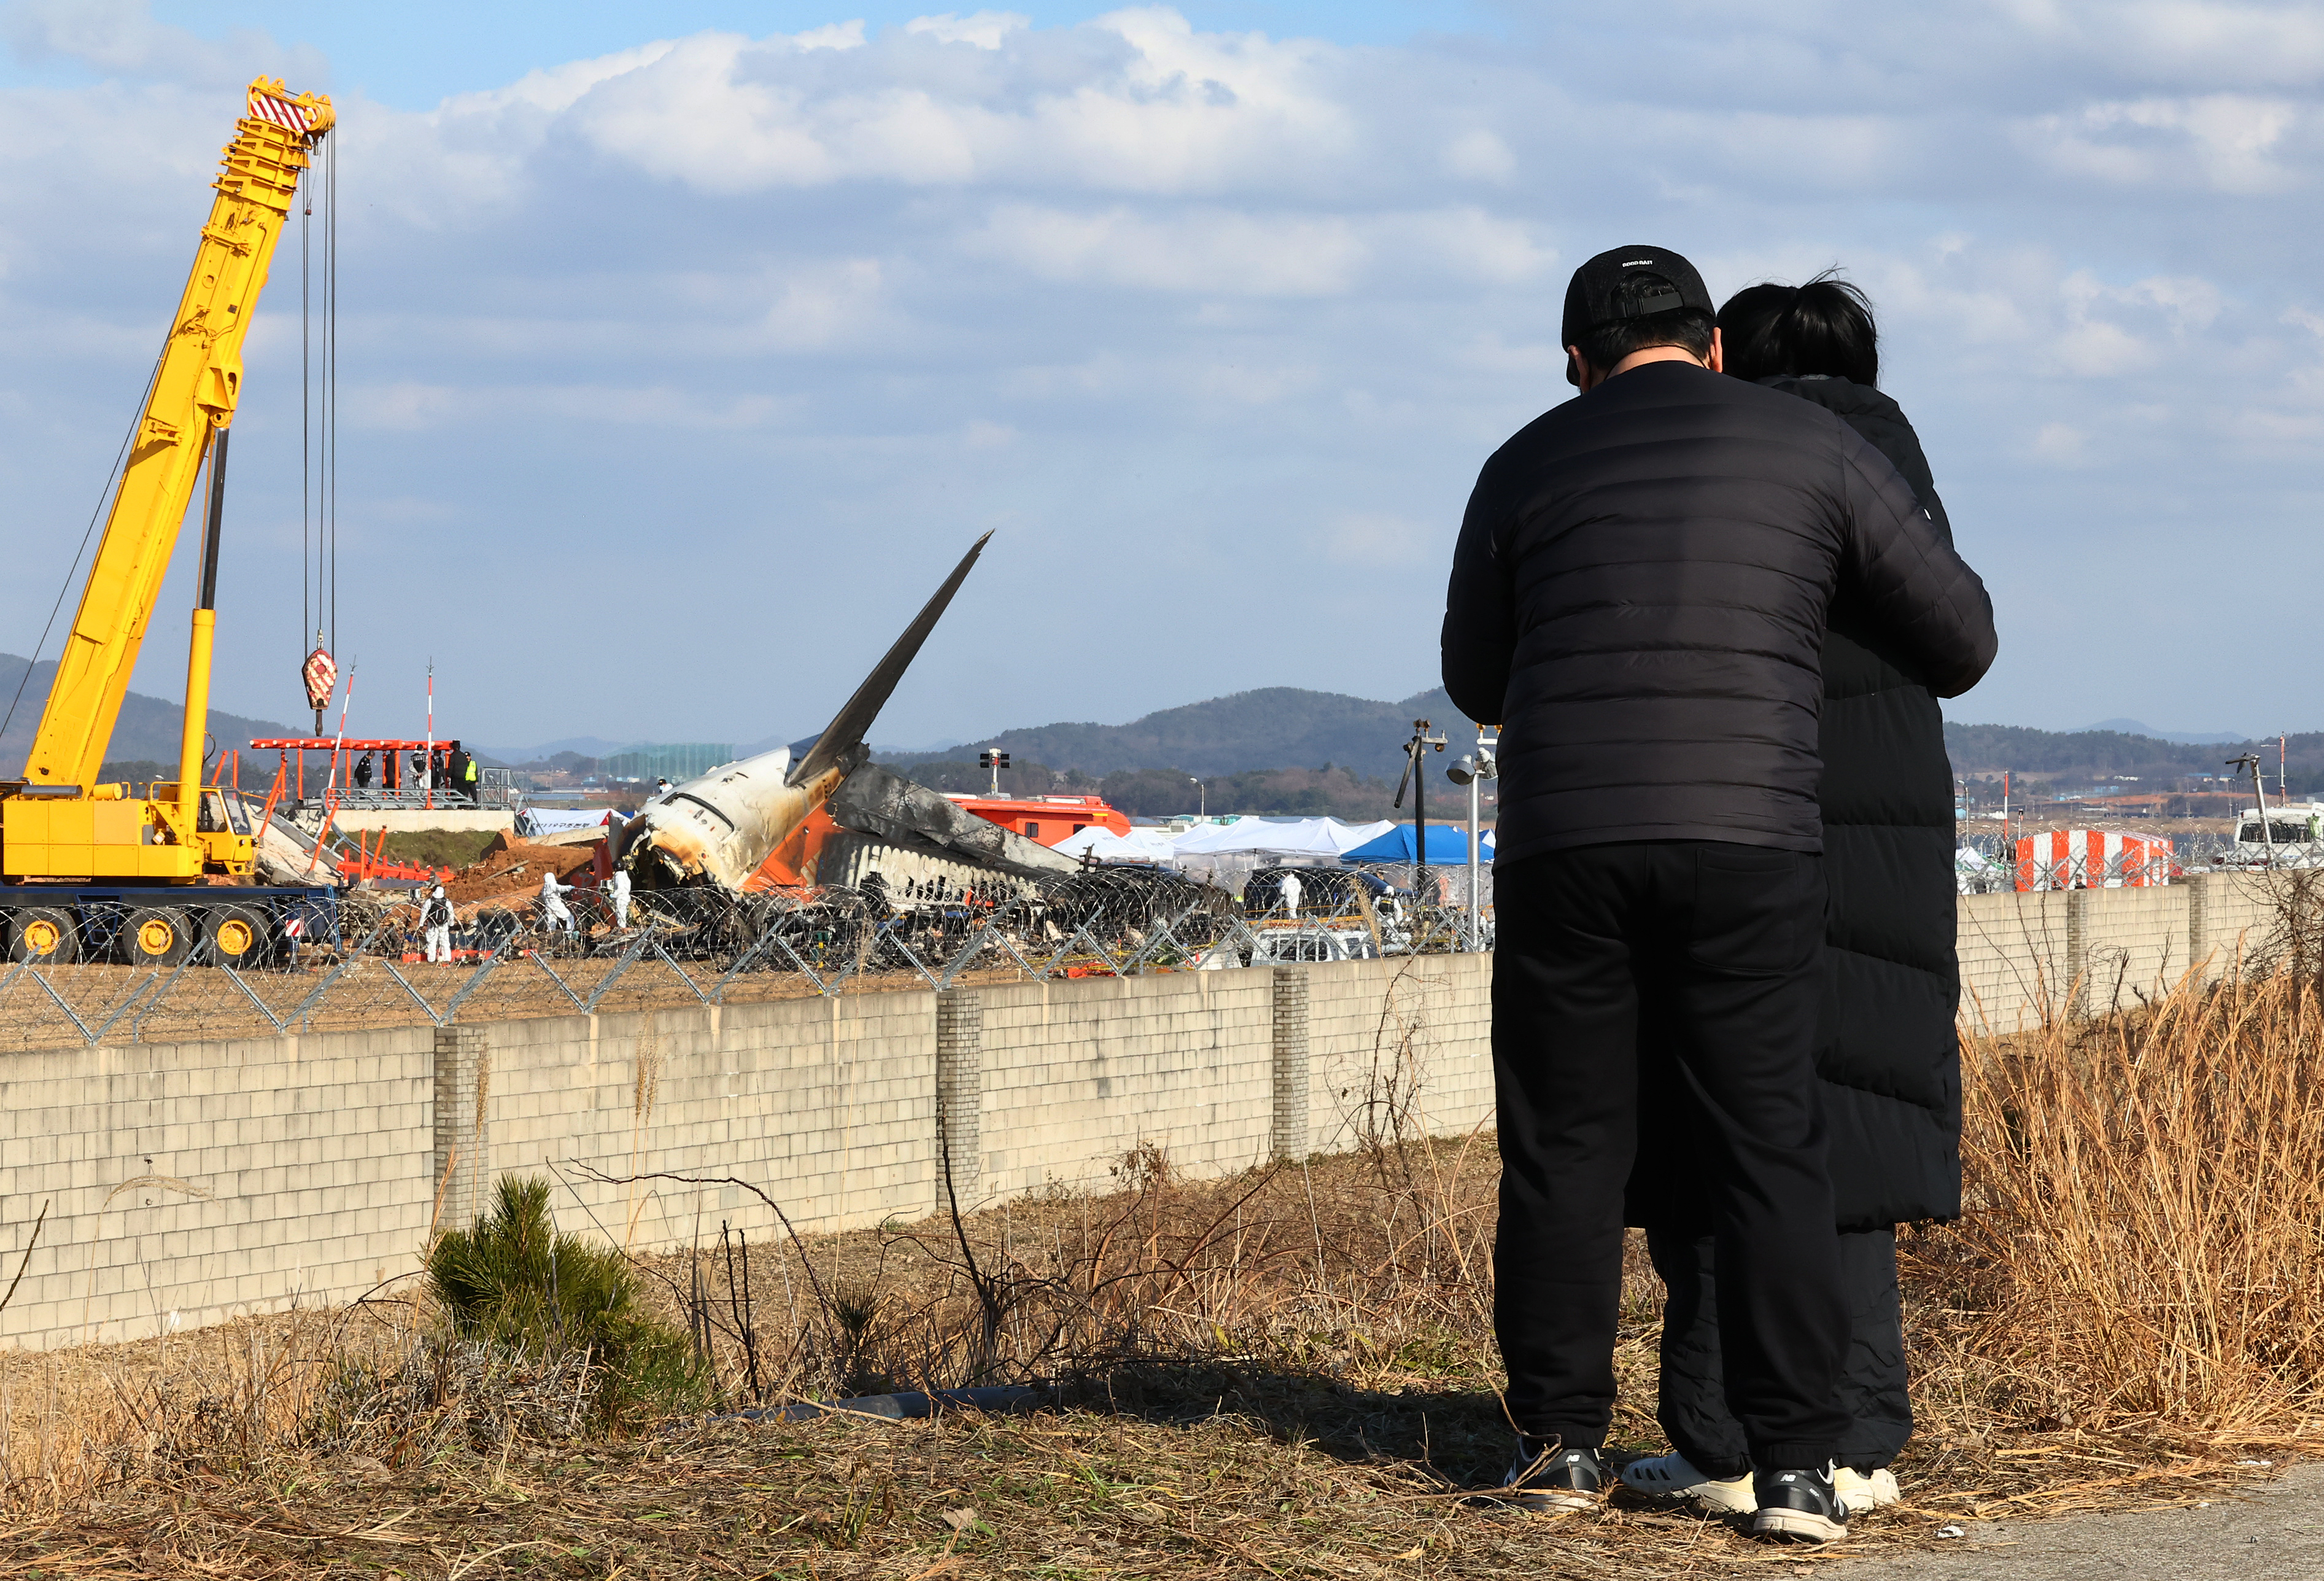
(1162, 1270)
(2293, 946)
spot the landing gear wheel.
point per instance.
(240, 938)
(43, 933)
(157, 936)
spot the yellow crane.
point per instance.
(59, 827)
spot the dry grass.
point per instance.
(1286, 1373)
(2143, 1248)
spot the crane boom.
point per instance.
(195, 388)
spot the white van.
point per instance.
(2294, 835)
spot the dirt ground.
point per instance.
(1336, 1418)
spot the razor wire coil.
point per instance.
(184, 968)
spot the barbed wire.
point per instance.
(1990, 864)
(201, 965)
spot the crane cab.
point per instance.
(107, 834)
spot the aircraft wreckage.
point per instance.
(840, 843)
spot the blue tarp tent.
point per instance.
(1448, 846)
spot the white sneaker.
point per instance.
(1860, 1492)
(1673, 1477)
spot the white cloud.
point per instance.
(553, 89)
(985, 28)
(2233, 142)
(120, 37)
(2182, 39)
(412, 407)
(1164, 110)
(837, 35)
(2093, 344)
(1474, 244)
(1479, 155)
(1198, 250)
(1264, 304)
(824, 305)
(1247, 384)
(2060, 444)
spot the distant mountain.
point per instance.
(1276, 727)
(2111, 754)
(148, 727)
(2180, 737)
(587, 746)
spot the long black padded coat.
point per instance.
(1886, 1052)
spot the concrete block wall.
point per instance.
(1078, 1073)
(827, 1105)
(2017, 956)
(189, 1183)
(1412, 1036)
(2076, 952)
(2136, 943)
(2232, 917)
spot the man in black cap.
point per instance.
(1639, 599)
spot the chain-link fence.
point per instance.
(215, 964)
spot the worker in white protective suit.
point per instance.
(436, 925)
(1291, 890)
(553, 914)
(619, 888)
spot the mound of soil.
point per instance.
(510, 871)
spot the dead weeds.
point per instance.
(1289, 1372)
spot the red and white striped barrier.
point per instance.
(2060, 859)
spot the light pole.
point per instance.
(2259, 790)
(1473, 771)
(1201, 799)
(1415, 775)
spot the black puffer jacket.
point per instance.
(1640, 598)
(1886, 1048)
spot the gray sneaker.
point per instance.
(1550, 1479)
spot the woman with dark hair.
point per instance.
(1885, 1052)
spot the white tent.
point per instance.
(1140, 845)
(1352, 836)
(1304, 836)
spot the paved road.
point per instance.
(2274, 1532)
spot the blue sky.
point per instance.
(412, 56)
(684, 348)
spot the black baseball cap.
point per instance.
(1663, 281)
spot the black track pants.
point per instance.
(1727, 942)
(1872, 1386)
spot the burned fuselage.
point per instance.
(717, 829)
